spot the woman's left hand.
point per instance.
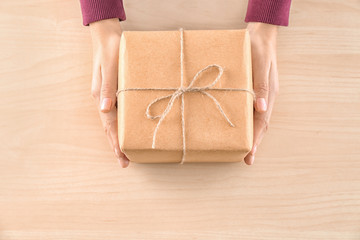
(265, 79)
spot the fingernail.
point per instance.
(261, 104)
(106, 104)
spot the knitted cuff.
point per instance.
(274, 12)
(95, 10)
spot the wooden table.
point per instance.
(59, 178)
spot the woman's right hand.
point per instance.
(265, 79)
(106, 40)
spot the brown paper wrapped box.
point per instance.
(152, 59)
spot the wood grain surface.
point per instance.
(59, 178)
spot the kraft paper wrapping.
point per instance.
(151, 59)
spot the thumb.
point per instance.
(108, 90)
(261, 89)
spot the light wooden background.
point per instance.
(60, 180)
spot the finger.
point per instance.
(107, 132)
(95, 93)
(262, 120)
(109, 82)
(274, 80)
(109, 121)
(260, 127)
(113, 129)
(261, 68)
(273, 89)
(123, 160)
(96, 83)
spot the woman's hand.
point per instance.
(106, 40)
(265, 78)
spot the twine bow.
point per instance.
(179, 92)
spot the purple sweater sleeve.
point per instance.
(95, 10)
(274, 12)
(268, 11)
